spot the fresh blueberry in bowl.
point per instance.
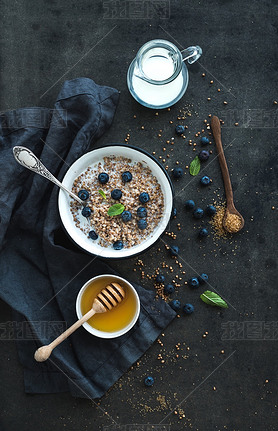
(177, 173)
(126, 176)
(188, 308)
(118, 245)
(198, 213)
(149, 381)
(144, 197)
(93, 235)
(203, 278)
(203, 232)
(142, 212)
(193, 282)
(103, 178)
(83, 194)
(86, 212)
(174, 250)
(205, 180)
(210, 210)
(180, 130)
(175, 304)
(204, 140)
(116, 194)
(169, 288)
(160, 278)
(203, 155)
(190, 204)
(126, 216)
(142, 224)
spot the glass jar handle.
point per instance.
(191, 54)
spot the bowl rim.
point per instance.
(167, 177)
(97, 332)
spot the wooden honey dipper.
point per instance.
(108, 298)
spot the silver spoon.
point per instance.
(26, 158)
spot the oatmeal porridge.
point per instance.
(123, 202)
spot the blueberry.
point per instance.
(211, 210)
(142, 212)
(116, 194)
(189, 205)
(83, 195)
(188, 308)
(86, 212)
(174, 213)
(205, 180)
(103, 178)
(118, 245)
(144, 197)
(93, 235)
(149, 381)
(126, 176)
(203, 232)
(175, 304)
(203, 278)
(169, 288)
(177, 173)
(126, 216)
(160, 278)
(198, 213)
(180, 129)
(142, 224)
(203, 155)
(193, 282)
(174, 250)
(204, 140)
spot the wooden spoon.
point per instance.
(108, 298)
(233, 221)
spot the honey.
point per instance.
(117, 318)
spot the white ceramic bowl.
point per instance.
(124, 283)
(92, 158)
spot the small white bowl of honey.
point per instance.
(119, 319)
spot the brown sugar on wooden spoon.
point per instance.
(232, 221)
(108, 298)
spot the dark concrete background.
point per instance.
(45, 42)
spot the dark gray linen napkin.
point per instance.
(41, 271)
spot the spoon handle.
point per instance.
(44, 352)
(26, 158)
(216, 130)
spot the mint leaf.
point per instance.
(101, 192)
(115, 209)
(195, 166)
(212, 298)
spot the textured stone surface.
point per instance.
(45, 42)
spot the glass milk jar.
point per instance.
(158, 76)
